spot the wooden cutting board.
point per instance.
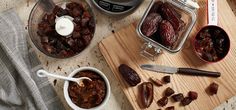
(123, 47)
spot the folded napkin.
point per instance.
(20, 88)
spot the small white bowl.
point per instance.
(66, 85)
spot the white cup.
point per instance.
(66, 85)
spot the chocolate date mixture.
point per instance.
(146, 94)
(61, 46)
(130, 76)
(91, 93)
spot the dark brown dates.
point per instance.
(168, 13)
(156, 81)
(166, 79)
(170, 108)
(212, 43)
(178, 97)
(213, 88)
(163, 101)
(150, 24)
(147, 94)
(167, 34)
(169, 91)
(193, 95)
(130, 76)
(66, 46)
(186, 101)
(155, 7)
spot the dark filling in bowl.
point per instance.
(212, 43)
(91, 93)
(61, 46)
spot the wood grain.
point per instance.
(124, 47)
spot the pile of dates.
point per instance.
(66, 46)
(146, 89)
(212, 44)
(163, 24)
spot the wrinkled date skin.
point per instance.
(147, 94)
(193, 95)
(150, 24)
(162, 102)
(167, 34)
(171, 15)
(213, 88)
(155, 7)
(130, 76)
(156, 81)
(168, 92)
(178, 97)
(186, 101)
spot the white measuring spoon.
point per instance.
(43, 73)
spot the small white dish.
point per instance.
(66, 85)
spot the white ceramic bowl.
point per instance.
(66, 85)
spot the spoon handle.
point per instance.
(43, 73)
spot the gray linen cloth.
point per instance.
(20, 88)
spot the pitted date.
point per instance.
(169, 91)
(167, 34)
(193, 95)
(130, 76)
(171, 15)
(213, 88)
(156, 81)
(170, 108)
(163, 101)
(166, 79)
(178, 97)
(186, 101)
(147, 94)
(150, 24)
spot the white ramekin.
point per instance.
(66, 85)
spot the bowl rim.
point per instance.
(194, 39)
(66, 85)
(30, 19)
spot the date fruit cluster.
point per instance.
(66, 46)
(163, 24)
(146, 89)
(212, 44)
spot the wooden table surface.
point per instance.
(91, 56)
(124, 46)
